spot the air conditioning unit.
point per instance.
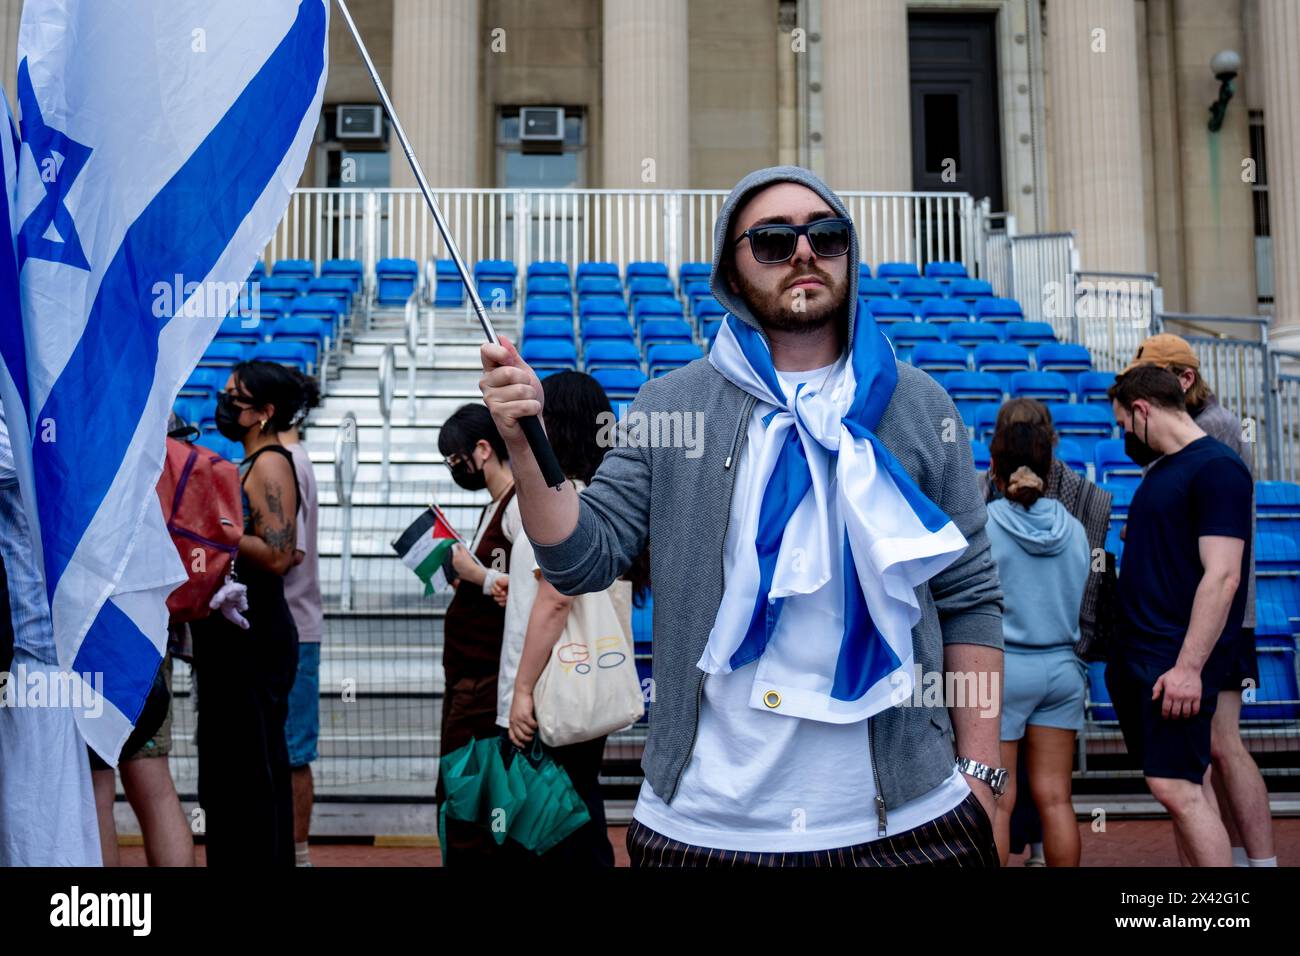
(360, 122)
(541, 128)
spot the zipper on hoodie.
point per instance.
(736, 441)
(881, 816)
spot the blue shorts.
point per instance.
(302, 729)
(1043, 688)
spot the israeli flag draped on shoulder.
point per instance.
(822, 480)
(161, 142)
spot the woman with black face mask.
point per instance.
(475, 620)
(245, 675)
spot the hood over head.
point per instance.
(747, 187)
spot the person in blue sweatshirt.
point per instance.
(1043, 560)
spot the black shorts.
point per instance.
(1243, 664)
(1174, 748)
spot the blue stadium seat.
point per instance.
(1030, 334)
(656, 307)
(548, 329)
(979, 451)
(608, 328)
(599, 286)
(295, 268)
(1048, 387)
(650, 287)
(897, 271)
(944, 311)
(906, 336)
(938, 358)
(663, 357)
(339, 288)
(945, 271)
(986, 422)
(1277, 693)
(245, 330)
(300, 355)
(232, 451)
(998, 310)
(919, 290)
(555, 286)
(709, 330)
(709, 309)
(1277, 505)
(350, 269)
(619, 383)
(1121, 497)
(286, 288)
(308, 329)
(222, 355)
(1005, 360)
(602, 305)
(549, 305)
(1114, 467)
(891, 311)
(694, 272)
(610, 353)
(204, 384)
(864, 273)
(971, 335)
(875, 289)
(259, 271)
(321, 307)
(1066, 358)
(1092, 386)
(449, 290)
(1086, 424)
(647, 270)
(550, 353)
(695, 292)
(191, 410)
(495, 280)
(658, 330)
(970, 290)
(549, 269)
(606, 269)
(395, 281)
(1068, 451)
(1277, 573)
(1099, 707)
(971, 390)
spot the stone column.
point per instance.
(1218, 211)
(1093, 104)
(436, 89)
(646, 101)
(1280, 35)
(867, 89)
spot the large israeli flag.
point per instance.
(161, 140)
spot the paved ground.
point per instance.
(1125, 843)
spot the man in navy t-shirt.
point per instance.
(1186, 554)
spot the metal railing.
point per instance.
(1112, 313)
(346, 455)
(583, 225)
(387, 389)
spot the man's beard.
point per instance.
(774, 314)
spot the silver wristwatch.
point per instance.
(996, 778)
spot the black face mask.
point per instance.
(1137, 449)
(228, 418)
(465, 477)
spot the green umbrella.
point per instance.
(552, 809)
(479, 788)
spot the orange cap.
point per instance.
(1165, 350)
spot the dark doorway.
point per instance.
(955, 106)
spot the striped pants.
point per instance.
(961, 837)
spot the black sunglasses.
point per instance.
(829, 238)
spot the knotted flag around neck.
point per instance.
(822, 480)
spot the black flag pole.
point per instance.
(541, 448)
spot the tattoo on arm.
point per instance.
(282, 535)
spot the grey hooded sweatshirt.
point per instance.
(678, 501)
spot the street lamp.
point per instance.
(1225, 65)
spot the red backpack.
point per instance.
(199, 491)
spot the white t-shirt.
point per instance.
(763, 782)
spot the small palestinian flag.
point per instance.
(425, 547)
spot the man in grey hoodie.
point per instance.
(726, 782)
